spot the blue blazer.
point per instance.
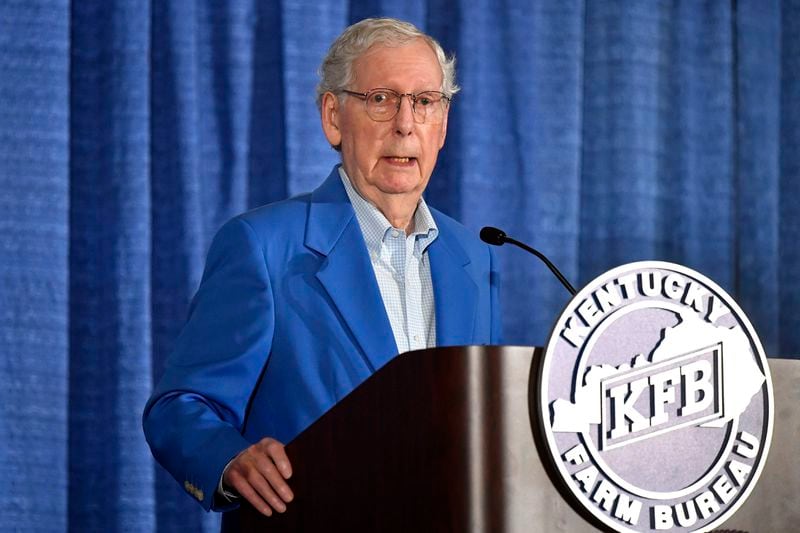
(287, 321)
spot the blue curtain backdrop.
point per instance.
(600, 131)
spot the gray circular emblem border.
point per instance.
(575, 418)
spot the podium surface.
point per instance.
(443, 440)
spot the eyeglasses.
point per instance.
(384, 104)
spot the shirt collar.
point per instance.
(375, 226)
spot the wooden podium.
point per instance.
(442, 440)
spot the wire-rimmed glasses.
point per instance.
(383, 104)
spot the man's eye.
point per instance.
(379, 98)
(424, 101)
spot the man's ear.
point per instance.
(329, 113)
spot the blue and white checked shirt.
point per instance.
(402, 269)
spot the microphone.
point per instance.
(498, 237)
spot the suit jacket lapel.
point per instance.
(454, 290)
(347, 274)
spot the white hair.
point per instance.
(336, 70)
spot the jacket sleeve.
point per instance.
(194, 418)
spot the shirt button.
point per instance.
(395, 233)
(416, 338)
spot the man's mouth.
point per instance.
(396, 160)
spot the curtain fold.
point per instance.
(109, 265)
(34, 265)
(788, 341)
(599, 132)
(518, 120)
(757, 160)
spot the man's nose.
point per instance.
(404, 120)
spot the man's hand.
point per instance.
(258, 474)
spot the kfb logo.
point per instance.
(656, 400)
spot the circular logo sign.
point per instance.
(656, 399)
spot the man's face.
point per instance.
(393, 160)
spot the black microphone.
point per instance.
(498, 237)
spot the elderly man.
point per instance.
(302, 300)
